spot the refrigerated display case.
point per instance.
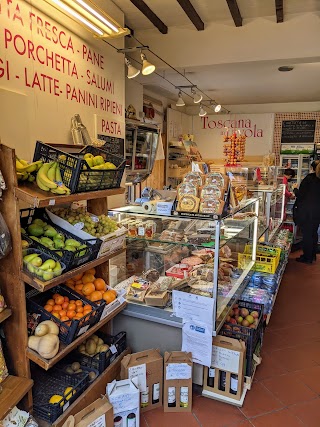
(179, 255)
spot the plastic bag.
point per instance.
(5, 238)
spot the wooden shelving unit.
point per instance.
(17, 387)
(13, 390)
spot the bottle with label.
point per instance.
(184, 397)
(131, 420)
(145, 398)
(222, 382)
(155, 393)
(210, 378)
(117, 422)
(234, 384)
(171, 397)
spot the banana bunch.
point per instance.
(49, 179)
(25, 170)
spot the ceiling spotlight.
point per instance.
(180, 102)
(197, 97)
(147, 67)
(132, 71)
(202, 111)
(285, 68)
(217, 107)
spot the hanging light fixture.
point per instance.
(91, 17)
(132, 71)
(197, 97)
(147, 67)
(217, 108)
(202, 112)
(180, 102)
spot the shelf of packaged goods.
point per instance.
(66, 349)
(44, 286)
(13, 390)
(94, 391)
(5, 314)
(37, 198)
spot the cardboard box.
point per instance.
(97, 414)
(124, 396)
(148, 366)
(156, 299)
(228, 356)
(177, 387)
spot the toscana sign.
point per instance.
(227, 126)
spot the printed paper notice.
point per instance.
(225, 359)
(193, 307)
(197, 339)
(178, 371)
(99, 422)
(140, 372)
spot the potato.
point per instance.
(100, 341)
(92, 375)
(104, 347)
(82, 348)
(75, 366)
(78, 371)
(91, 347)
(69, 370)
(98, 349)
(95, 338)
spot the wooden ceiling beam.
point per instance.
(192, 14)
(148, 13)
(235, 12)
(279, 10)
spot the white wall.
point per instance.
(134, 96)
(28, 102)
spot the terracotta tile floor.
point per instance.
(286, 390)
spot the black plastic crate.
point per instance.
(249, 335)
(54, 382)
(70, 259)
(68, 360)
(75, 172)
(101, 361)
(71, 329)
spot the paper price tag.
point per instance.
(79, 225)
(98, 422)
(52, 202)
(140, 372)
(66, 406)
(83, 330)
(94, 218)
(164, 208)
(105, 312)
(113, 349)
(178, 371)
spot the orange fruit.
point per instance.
(114, 292)
(71, 314)
(57, 308)
(87, 307)
(51, 302)
(79, 302)
(78, 288)
(72, 307)
(59, 300)
(88, 289)
(72, 301)
(62, 313)
(88, 278)
(69, 283)
(96, 296)
(91, 271)
(78, 316)
(65, 305)
(77, 277)
(48, 307)
(71, 287)
(86, 312)
(108, 296)
(56, 314)
(64, 319)
(54, 296)
(66, 299)
(79, 309)
(100, 285)
(79, 282)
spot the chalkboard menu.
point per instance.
(298, 131)
(113, 145)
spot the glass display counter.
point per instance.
(193, 255)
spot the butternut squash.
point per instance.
(46, 327)
(47, 345)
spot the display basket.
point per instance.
(101, 361)
(267, 258)
(68, 360)
(75, 172)
(68, 330)
(249, 335)
(37, 272)
(70, 259)
(55, 382)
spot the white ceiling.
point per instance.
(240, 81)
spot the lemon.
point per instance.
(67, 392)
(56, 398)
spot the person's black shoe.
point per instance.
(303, 260)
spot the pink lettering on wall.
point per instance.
(245, 125)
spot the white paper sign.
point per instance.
(225, 359)
(192, 307)
(178, 371)
(98, 422)
(140, 372)
(197, 339)
(164, 208)
(83, 330)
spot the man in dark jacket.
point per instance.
(306, 213)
